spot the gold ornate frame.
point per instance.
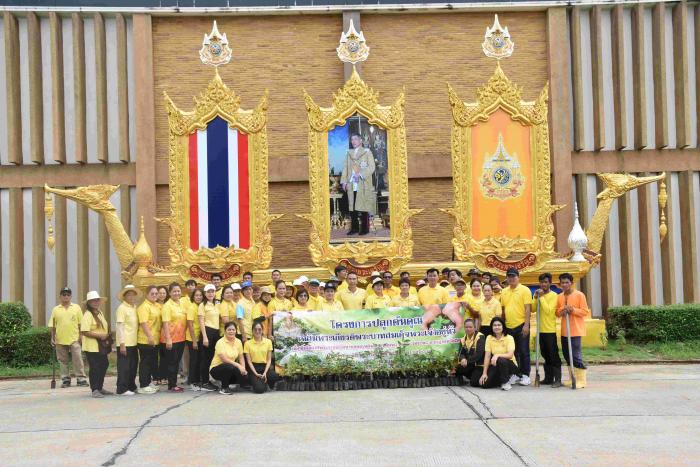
(356, 96)
(218, 100)
(500, 93)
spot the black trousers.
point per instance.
(575, 348)
(522, 349)
(471, 373)
(259, 386)
(501, 373)
(195, 355)
(173, 357)
(227, 374)
(148, 361)
(550, 353)
(161, 369)
(207, 353)
(127, 366)
(98, 363)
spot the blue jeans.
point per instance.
(522, 349)
(575, 349)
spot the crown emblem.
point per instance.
(352, 48)
(497, 43)
(500, 176)
(215, 50)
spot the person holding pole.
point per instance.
(547, 331)
(573, 309)
(516, 300)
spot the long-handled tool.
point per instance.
(571, 354)
(53, 370)
(537, 346)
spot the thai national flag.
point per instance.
(219, 187)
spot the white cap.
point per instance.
(297, 282)
(236, 286)
(303, 279)
(209, 287)
(322, 284)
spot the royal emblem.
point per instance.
(215, 50)
(501, 177)
(497, 43)
(352, 48)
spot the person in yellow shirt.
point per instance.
(209, 320)
(499, 361)
(193, 339)
(389, 289)
(407, 275)
(302, 301)
(280, 302)
(190, 287)
(148, 337)
(496, 287)
(228, 364)
(353, 297)
(330, 303)
(216, 281)
(432, 293)
(405, 297)
(275, 276)
(460, 292)
(314, 296)
(547, 332)
(160, 372)
(475, 298)
(95, 332)
(173, 335)
(516, 300)
(378, 299)
(372, 276)
(227, 307)
(453, 276)
(489, 309)
(431, 297)
(65, 337)
(127, 336)
(244, 312)
(261, 311)
(258, 355)
(471, 354)
(341, 273)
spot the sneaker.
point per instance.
(195, 387)
(233, 387)
(513, 379)
(208, 387)
(65, 383)
(176, 389)
(127, 393)
(506, 386)
(97, 394)
(225, 391)
(146, 390)
(524, 380)
(82, 383)
(105, 392)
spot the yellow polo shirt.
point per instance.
(500, 346)
(514, 301)
(210, 312)
(176, 315)
(247, 306)
(127, 315)
(280, 305)
(261, 310)
(489, 310)
(335, 306)
(150, 313)
(450, 290)
(226, 310)
(548, 308)
(298, 307)
(258, 350)
(433, 295)
(88, 323)
(192, 316)
(392, 292)
(66, 320)
(314, 301)
(342, 286)
(411, 300)
(353, 300)
(376, 301)
(231, 349)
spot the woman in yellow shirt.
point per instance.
(405, 297)
(227, 307)
(127, 335)
(208, 315)
(475, 298)
(488, 309)
(261, 311)
(244, 312)
(280, 302)
(258, 356)
(228, 364)
(499, 362)
(302, 301)
(93, 327)
(193, 339)
(149, 314)
(160, 373)
(173, 335)
(377, 299)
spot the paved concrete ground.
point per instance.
(629, 415)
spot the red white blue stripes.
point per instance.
(219, 187)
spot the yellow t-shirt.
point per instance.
(150, 313)
(411, 300)
(88, 323)
(474, 302)
(280, 305)
(450, 290)
(176, 315)
(352, 300)
(376, 301)
(217, 294)
(210, 312)
(227, 310)
(260, 309)
(258, 350)
(127, 314)
(335, 306)
(66, 320)
(343, 286)
(500, 346)
(392, 292)
(514, 301)
(298, 307)
(231, 349)
(548, 308)
(247, 306)
(433, 295)
(185, 300)
(192, 316)
(314, 301)
(489, 310)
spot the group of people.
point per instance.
(228, 332)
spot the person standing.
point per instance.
(262, 313)
(95, 331)
(547, 332)
(280, 302)
(572, 303)
(489, 309)
(127, 337)
(516, 300)
(65, 337)
(433, 293)
(209, 319)
(378, 299)
(329, 302)
(405, 297)
(149, 314)
(173, 335)
(353, 297)
(193, 340)
(244, 312)
(258, 355)
(356, 179)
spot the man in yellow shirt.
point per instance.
(314, 297)
(190, 287)
(547, 333)
(496, 287)
(389, 289)
(405, 297)
(353, 297)
(407, 275)
(330, 303)
(432, 293)
(516, 300)
(275, 276)
(453, 276)
(341, 272)
(65, 337)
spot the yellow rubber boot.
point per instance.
(580, 378)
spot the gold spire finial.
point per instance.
(663, 199)
(142, 251)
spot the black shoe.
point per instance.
(82, 383)
(209, 387)
(225, 391)
(65, 383)
(352, 232)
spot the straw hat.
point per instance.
(94, 295)
(129, 288)
(265, 289)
